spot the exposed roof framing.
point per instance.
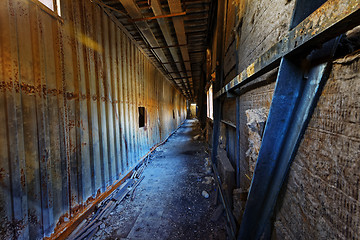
(175, 6)
(157, 9)
(171, 32)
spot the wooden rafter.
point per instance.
(135, 13)
(175, 7)
(174, 42)
(157, 17)
(158, 11)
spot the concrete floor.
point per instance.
(168, 203)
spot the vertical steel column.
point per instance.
(294, 99)
(217, 105)
(296, 93)
(237, 144)
(219, 78)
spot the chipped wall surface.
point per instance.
(256, 120)
(69, 98)
(258, 26)
(321, 199)
(259, 98)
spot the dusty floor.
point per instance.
(168, 203)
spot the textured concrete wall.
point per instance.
(321, 199)
(255, 99)
(260, 24)
(69, 97)
(265, 22)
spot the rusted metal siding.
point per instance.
(69, 98)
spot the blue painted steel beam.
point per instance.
(295, 97)
(296, 93)
(237, 146)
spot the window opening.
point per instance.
(53, 5)
(141, 117)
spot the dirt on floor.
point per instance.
(170, 203)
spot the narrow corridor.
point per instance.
(98, 101)
(168, 203)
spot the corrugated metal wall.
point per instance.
(69, 98)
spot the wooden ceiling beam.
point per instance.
(197, 2)
(135, 13)
(175, 7)
(158, 11)
(157, 17)
(170, 46)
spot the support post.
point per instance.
(219, 75)
(237, 142)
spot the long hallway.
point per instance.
(168, 203)
(179, 119)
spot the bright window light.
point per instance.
(209, 95)
(48, 3)
(53, 5)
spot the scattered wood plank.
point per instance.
(132, 194)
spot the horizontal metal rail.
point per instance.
(228, 123)
(333, 18)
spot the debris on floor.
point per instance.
(208, 180)
(208, 167)
(167, 203)
(196, 137)
(88, 228)
(205, 194)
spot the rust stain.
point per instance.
(63, 86)
(77, 209)
(43, 91)
(22, 178)
(63, 229)
(126, 145)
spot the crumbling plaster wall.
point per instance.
(259, 98)
(264, 23)
(321, 199)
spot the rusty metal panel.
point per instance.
(69, 98)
